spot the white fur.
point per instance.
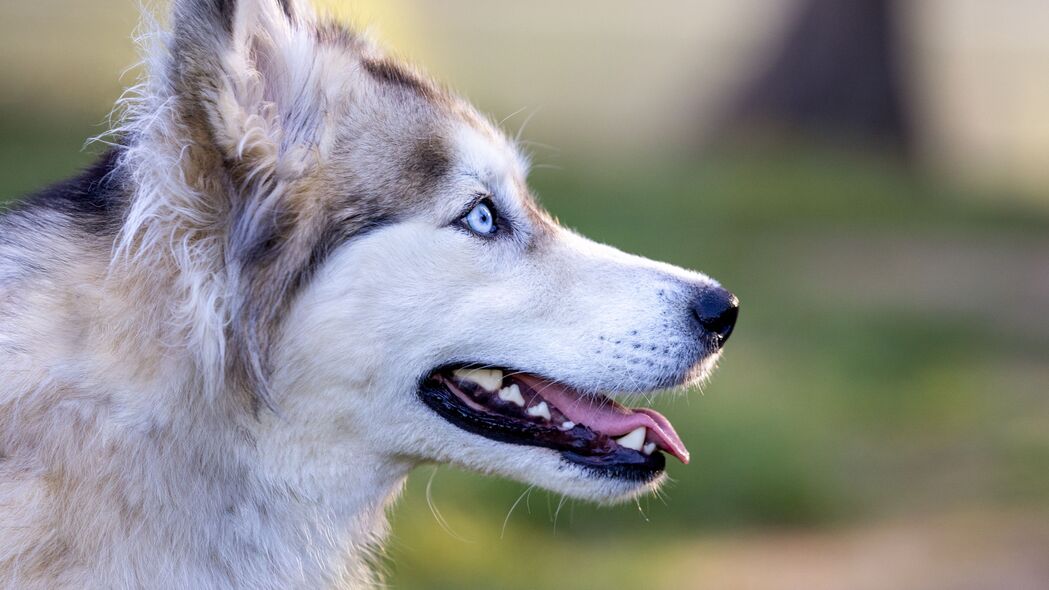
(128, 459)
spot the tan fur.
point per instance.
(211, 347)
(116, 463)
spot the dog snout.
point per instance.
(716, 310)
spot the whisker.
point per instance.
(506, 520)
(437, 513)
(557, 512)
(511, 116)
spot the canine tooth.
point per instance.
(635, 439)
(512, 394)
(649, 448)
(490, 379)
(540, 409)
(567, 425)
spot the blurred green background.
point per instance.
(881, 417)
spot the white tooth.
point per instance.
(539, 410)
(635, 439)
(490, 379)
(512, 394)
(649, 448)
(567, 425)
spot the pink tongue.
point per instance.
(608, 417)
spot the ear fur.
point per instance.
(247, 75)
(252, 85)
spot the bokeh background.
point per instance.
(871, 177)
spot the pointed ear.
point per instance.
(243, 77)
(199, 24)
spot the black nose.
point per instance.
(717, 310)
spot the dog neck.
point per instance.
(326, 519)
(276, 499)
(327, 504)
(266, 500)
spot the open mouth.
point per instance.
(520, 408)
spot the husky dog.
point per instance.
(302, 270)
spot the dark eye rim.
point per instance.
(497, 220)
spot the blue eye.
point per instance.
(481, 220)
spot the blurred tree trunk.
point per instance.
(836, 74)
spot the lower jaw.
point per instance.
(591, 451)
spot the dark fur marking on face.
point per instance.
(333, 236)
(334, 33)
(278, 262)
(429, 161)
(392, 73)
(272, 244)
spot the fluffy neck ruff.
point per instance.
(229, 493)
(239, 489)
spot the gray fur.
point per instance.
(211, 342)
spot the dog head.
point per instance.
(390, 280)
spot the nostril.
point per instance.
(717, 310)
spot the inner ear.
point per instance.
(246, 70)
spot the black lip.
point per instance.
(580, 445)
